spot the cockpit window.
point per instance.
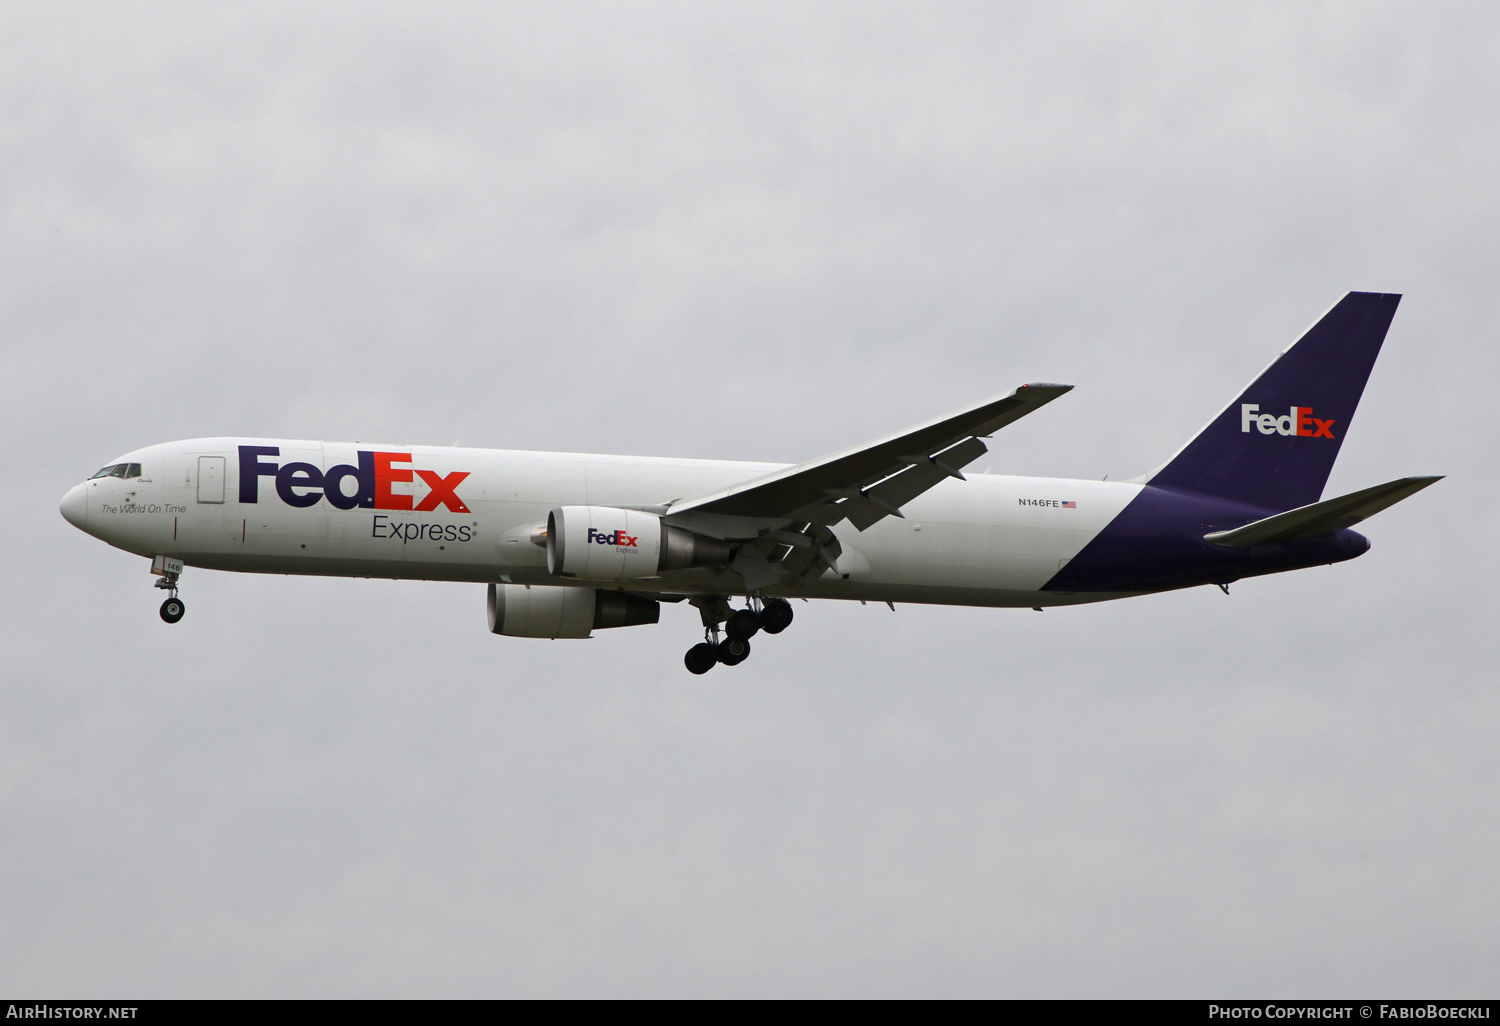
(134, 471)
(113, 470)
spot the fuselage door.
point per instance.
(210, 478)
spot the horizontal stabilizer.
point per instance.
(1324, 517)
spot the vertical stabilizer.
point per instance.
(1275, 445)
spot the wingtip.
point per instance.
(1048, 385)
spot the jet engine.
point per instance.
(605, 543)
(548, 611)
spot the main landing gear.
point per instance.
(772, 616)
(168, 570)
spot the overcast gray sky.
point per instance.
(761, 231)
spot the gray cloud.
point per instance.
(763, 232)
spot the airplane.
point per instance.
(570, 543)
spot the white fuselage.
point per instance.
(986, 541)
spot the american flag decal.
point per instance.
(1069, 505)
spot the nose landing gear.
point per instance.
(168, 570)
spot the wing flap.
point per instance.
(922, 472)
(1324, 517)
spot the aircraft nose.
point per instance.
(74, 505)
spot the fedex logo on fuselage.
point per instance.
(613, 538)
(1299, 422)
(373, 474)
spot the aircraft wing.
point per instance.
(1324, 517)
(875, 480)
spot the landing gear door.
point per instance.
(210, 478)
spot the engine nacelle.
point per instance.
(547, 611)
(605, 543)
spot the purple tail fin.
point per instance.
(1275, 445)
